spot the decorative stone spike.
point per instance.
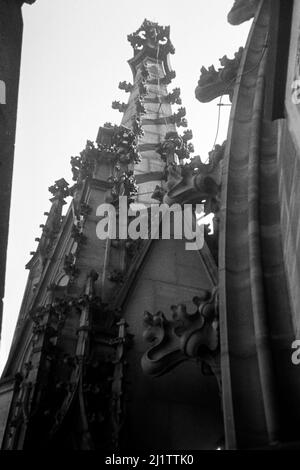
(178, 118)
(59, 189)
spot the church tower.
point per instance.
(129, 340)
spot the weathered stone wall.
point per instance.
(181, 409)
(289, 189)
(6, 393)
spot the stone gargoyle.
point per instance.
(242, 10)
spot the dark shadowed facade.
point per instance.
(11, 29)
(141, 344)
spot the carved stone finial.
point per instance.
(82, 166)
(174, 97)
(242, 10)
(213, 83)
(59, 189)
(121, 107)
(152, 36)
(127, 87)
(179, 118)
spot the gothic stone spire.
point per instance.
(149, 105)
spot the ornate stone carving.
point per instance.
(170, 75)
(122, 149)
(124, 185)
(120, 106)
(50, 228)
(143, 88)
(152, 36)
(179, 119)
(94, 376)
(186, 336)
(108, 125)
(213, 83)
(196, 182)
(83, 166)
(208, 176)
(117, 386)
(77, 234)
(242, 10)
(69, 265)
(174, 97)
(139, 104)
(125, 146)
(59, 189)
(85, 209)
(175, 144)
(137, 126)
(144, 72)
(32, 378)
(127, 87)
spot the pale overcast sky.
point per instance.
(75, 53)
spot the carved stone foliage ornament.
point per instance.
(83, 165)
(120, 106)
(176, 145)
(178, 118)
(123, 184)
(127, 87)
(186, 336)
(122, 148)
(174, 97)
(214, 83)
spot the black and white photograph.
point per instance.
(150, 228)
